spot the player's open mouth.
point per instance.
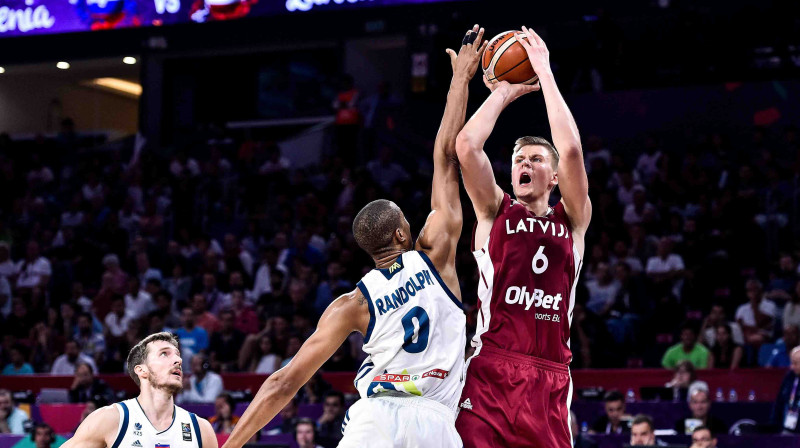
(177, 373)
(524, 179)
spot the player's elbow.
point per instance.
(283, 385)
(466, 144)
(572, 151)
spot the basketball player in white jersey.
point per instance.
(150, 420)
(408, 308)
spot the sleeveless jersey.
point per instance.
(528, 267)
(416, 334)
(136, 431)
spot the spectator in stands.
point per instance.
(329, 425)
(640, 209)
(602, 290)
(86, 387)
(703, 438)
(666, 269)
(725, 354)
(5, 297)
(289, 419)
(685, 381)
(779, 353)
(92, 343)
(791, 312)
(205, 319)
(614, 421)
(259, 355)
(117, 320)
(215, 299)
(164, 309)
(179, 285)
(643, 432)
(67, 362)
(223, 420)
(757, 317)
(225, 344)
(305, 434)
(193, 339)
(8, 268)
(715, 318)
(138, 302)
(578, 439)
(292, 347)
(34, 270)
(18, 366)
(326, 288)
(782, 282)
(699, 406)
(787, 404)
(688, 349)
(204, 385)
(12, 419)
(42, 436)
(89, 407)
(245, 317)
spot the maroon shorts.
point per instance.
(514, 400)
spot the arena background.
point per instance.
(213, 162)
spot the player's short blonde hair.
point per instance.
(537, 141)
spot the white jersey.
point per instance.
(416, 334)
(135, 430)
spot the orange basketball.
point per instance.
(505, 59)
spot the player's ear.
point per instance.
(400, 235)
(554, 182)
(140, 370)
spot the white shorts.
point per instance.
(399, 422)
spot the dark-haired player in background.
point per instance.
(408, 309)
(518, 387)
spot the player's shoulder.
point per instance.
(103, 419)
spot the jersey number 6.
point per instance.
(539, 263)
(412, 333)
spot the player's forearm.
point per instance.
(273, 395)
(566, 137)
(480, 126)
(455, 112)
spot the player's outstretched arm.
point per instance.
(98, 430)
(346, 314)
(442, 230)
(572, 180)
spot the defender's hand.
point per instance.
(469, 56)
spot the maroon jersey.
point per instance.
(528, 271)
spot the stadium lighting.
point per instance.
(116, 85)
(63, 65)
(130, 60)
(2, 70)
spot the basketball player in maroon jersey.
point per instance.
(518, 387)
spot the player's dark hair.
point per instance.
(537, 141)
(375, 225)
(613, 395)
(337, 394)
(642, 418)
(138, 353)
(701, 428)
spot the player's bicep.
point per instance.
(479, 180)
(96, 430)
(207, 434)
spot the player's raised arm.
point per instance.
(572, 180)
(96, 429)
(346, 314)
(440, 235)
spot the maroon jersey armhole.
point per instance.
(504, 204)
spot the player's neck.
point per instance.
(386, 259)
(539, 206)
(158, 405)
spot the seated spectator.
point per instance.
(716, 317)
(205, 319)
(329, 425)
(685, 381)
(66, 363)
(326, 289)
(18, 366)
(305, 433)
(204, 386)
(292, 347)
(193, 338)
(602, 290)
(791, 312)
(757, 317)
(779, 356)
(117, 320)
(288, 419)
(86, 387)
(92, 343)
(699, 406)
(725, 354)
(643, 433)
(34, 270)
(614, 421)
(578, 439)
(223, 420)
(215, 299)
(138, 302)
(12, 419)
(703, 438)
(164, 308)
(666, 269)
(245, 317)
(43, 436)
(687, 350)
(225, 344)
(787, 403)
(265, 361)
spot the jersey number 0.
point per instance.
(421, 334)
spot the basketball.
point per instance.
(505, 59)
